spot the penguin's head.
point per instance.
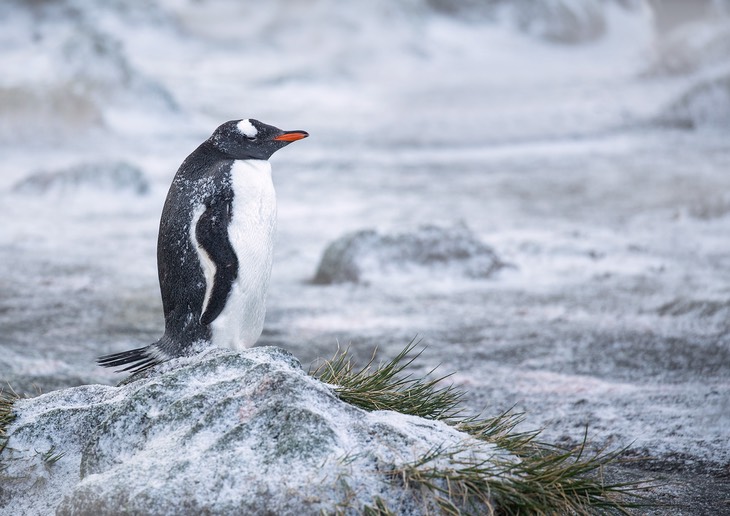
(251, 139)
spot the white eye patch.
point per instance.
(247, 128)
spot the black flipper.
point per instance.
(211, 233)
(139, 360)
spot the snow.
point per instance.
(554, 154)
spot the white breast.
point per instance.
(251, 233)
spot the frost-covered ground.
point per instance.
(587, 148)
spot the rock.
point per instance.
(562, 21)
(218, 433)
(433, 251)
(116, 176)
(706, 104)
(671, 14)
(692, 45)
(710, 207)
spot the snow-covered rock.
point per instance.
(562, 21)
(693, 46)
(706, 104)
(696, 44)
(437, 252)
(113, 176)
(218, 433)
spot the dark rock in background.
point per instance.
(705, 104)
(366, 255)
(114, 176)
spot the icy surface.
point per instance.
(219, 433)
(615, 313)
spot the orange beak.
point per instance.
(291, 136)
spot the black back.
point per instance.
(204, 178)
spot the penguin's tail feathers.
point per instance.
(136, 360)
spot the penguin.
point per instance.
(215, 245)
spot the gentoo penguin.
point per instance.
(215, 245)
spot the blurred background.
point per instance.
(585, 143)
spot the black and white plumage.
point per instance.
(215, 245)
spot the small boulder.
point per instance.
(561, 21)
(114, 176)
(706, 104)
(430, 251)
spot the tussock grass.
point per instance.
(379, 508)
(382, 387)
(501, 430)
(51, 456)
(6, 416)
(540, 479)
(562, 482)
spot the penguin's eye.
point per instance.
(251, 138)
